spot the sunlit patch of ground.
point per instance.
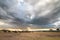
(30, 36)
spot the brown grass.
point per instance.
(30, 36)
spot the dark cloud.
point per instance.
(22, 12)
(48, 15)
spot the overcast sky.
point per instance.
(39, 12)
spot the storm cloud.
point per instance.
(39, 12)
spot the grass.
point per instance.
(30, 36)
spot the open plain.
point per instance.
(30, 36)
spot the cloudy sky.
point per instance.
(38, 12)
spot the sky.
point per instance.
(37, 12)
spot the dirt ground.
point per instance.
(30, 36)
